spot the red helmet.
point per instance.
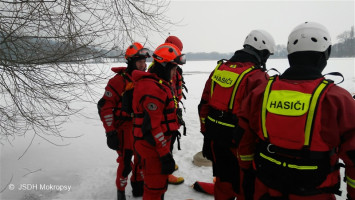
(168, 52)
(174, 40)
(136, 50)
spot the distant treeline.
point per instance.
(344, 48)
(341, 49)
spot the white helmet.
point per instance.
(309, 36)
(260, 40)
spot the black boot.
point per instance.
(137, 188)
(121, 195)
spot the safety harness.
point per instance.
(127, 98)
(142, 120)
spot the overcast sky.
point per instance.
(222, 26)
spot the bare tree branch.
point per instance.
(47, 54)
(7, 185)
(31, 172)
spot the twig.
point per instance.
(34, 135)
(30, 172)
(12, 176)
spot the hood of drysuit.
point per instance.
(131, 64)
(306, 65)
(118, 69)
(161, 71)
(137, 74)
(242, 56)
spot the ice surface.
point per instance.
(88, 166)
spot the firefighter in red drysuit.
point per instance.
(227, 85)
(178, 80)
(116, 113)
(299, 125)
(155, 119)
(178, 84)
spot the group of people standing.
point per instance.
(269, 137)
(141, 115)
(278, 137)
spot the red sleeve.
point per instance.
(111, 100)
(338, 113)
(257, 79)
(249, 120)
(203, 106)
(248, 115)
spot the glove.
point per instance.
(112, 140)
(167, 164)
(248, 183)
(207, 149)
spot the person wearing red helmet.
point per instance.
(116, 114)
(155, 119)
(178, 84)
(227, 85)
(178, 80)
(299, 125)
(174, 40)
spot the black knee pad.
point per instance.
(137, 188)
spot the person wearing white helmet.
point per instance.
(227, 85)
(298, 126)
(260, 44)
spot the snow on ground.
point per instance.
(85, 167)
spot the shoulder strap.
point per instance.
(335, 74)
(315, 99)
(125, 76)
(263, 108)
(236, 86)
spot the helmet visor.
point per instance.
(144, 52)
(180, 60)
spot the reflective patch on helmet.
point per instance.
(108, 94)
(152, 106)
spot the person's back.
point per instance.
(227, 85)
(303, 125)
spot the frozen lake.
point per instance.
(88, 167)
